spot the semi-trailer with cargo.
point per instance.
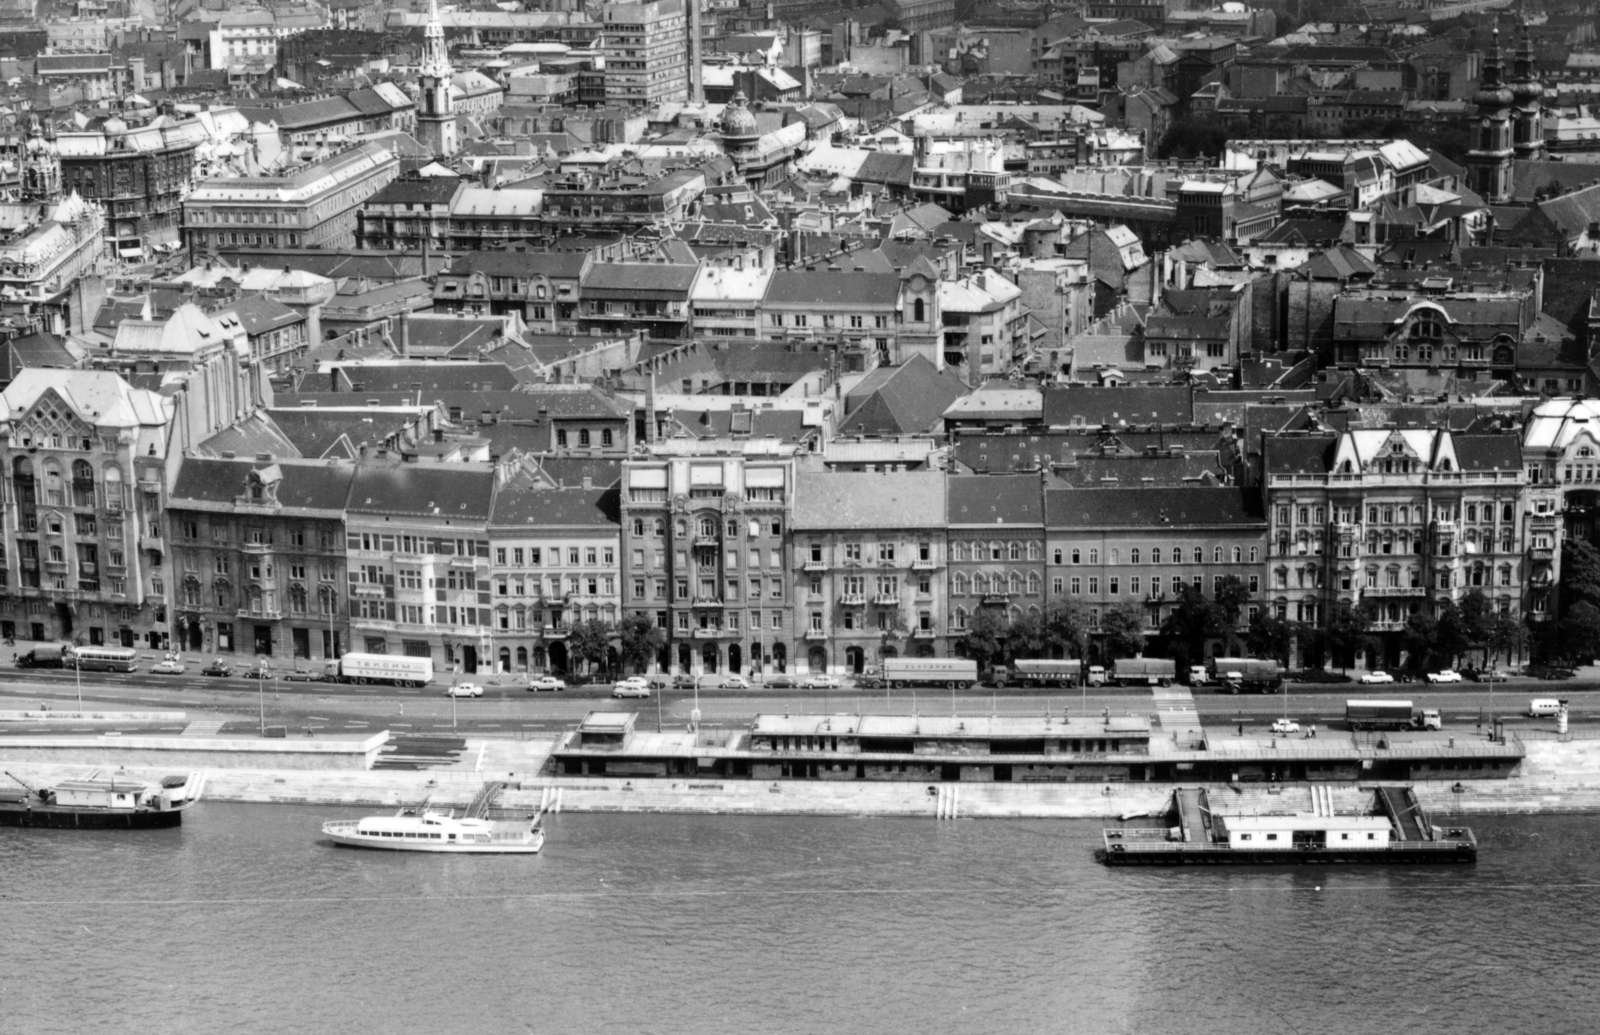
(1038, 672)
(52, 656)
(1245, 675)
(394, 669)
(1370, 714)
(956, 673)
(1144, 671)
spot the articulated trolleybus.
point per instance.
(955, 673)
(103, 659)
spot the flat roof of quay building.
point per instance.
(617, 732)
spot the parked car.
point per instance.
(546, 683)
(1550, 672)
(1285, 727)
(683, 682)
(781, 681)
(633, 683)
(1444, 676)
(659, 681)
(463, 690)
(728, 682)
(622, 689)
(167, 668)
(217, 667)
(1377, 677)
(822, 682)
(302, 675)
(1492, 675)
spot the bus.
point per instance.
(103, 659)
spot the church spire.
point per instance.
(436, 60)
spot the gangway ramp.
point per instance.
(1194, 815)
(1404, 809)
(479, 806)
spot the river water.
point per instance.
(244, 920)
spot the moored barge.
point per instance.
(1394, 831)
(101, 802)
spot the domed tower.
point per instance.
(41, 169)
(1489, 161)
(1527, 93)
(741, 139)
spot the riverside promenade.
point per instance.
(1554, 776)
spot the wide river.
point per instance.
(245, 921)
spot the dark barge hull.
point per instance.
(89, 819)
(1207, 856)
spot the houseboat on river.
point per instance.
(1393, 829)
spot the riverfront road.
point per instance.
(509, 710)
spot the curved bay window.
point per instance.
(22, 480)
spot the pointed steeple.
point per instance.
(436, 60)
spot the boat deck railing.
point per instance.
(1140, 842)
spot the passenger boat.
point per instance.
(428, 830)
(1395, 830)
(101, 802)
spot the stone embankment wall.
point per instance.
(1556, 777)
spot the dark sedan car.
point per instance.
(217, 668)
(781, 681)
(301, 675)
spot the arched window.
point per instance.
(1155, 555)
(980, 583)
(297, 599)
(1094, 556)
(82, 483)
(1057, 557)
(1015, 551)
(1014, 584)
(1116, 555)
(1426, 328)
(1472, 512)
(919, 311)
(22, 479)
(1033, 551)
(1033, 583)
(113, 477)
(1506, 512)
(1133, 555)
(1216, 555)
(959, 584)
(958, 551)
(1075, 556)
(961, 618)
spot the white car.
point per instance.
(629, 688)
(464, 690)
(167, 668)
(546, 683)
(1377, 677)
(727, 682)
(1445, 676)
(821, 682)
(1285, 726)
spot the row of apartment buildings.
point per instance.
(751, 561)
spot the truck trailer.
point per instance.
(1144, 671)
(1038, 672)
(956, 673)
(394, 669)
(53, 656)
(1371, 714)
(1245, 675)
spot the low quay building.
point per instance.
(987, 749)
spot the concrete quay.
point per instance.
(1555, 777)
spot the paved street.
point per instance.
(507, 709)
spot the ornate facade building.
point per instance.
(85, 549)
(140, 174)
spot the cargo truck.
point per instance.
(955, 673)
(1037, 672)
(1390, 715)
(1245, 675)
(1144, 671)
(394, 669)
(52, 656)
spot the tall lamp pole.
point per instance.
(77, 669)
(261, 694)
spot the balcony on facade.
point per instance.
(152, 542)
(853, 600)
(1394, 591)
(276, 614)
(554, 632)
(816, 566)
(707, 602)
(886, 599)
(991, 599)
(920, 633)
(924, 565)
(256, 548)
(816, 635)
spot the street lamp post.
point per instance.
(77, 669)
(261, 694)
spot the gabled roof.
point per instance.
(908, 399)
(527, 502)
(301, 486)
